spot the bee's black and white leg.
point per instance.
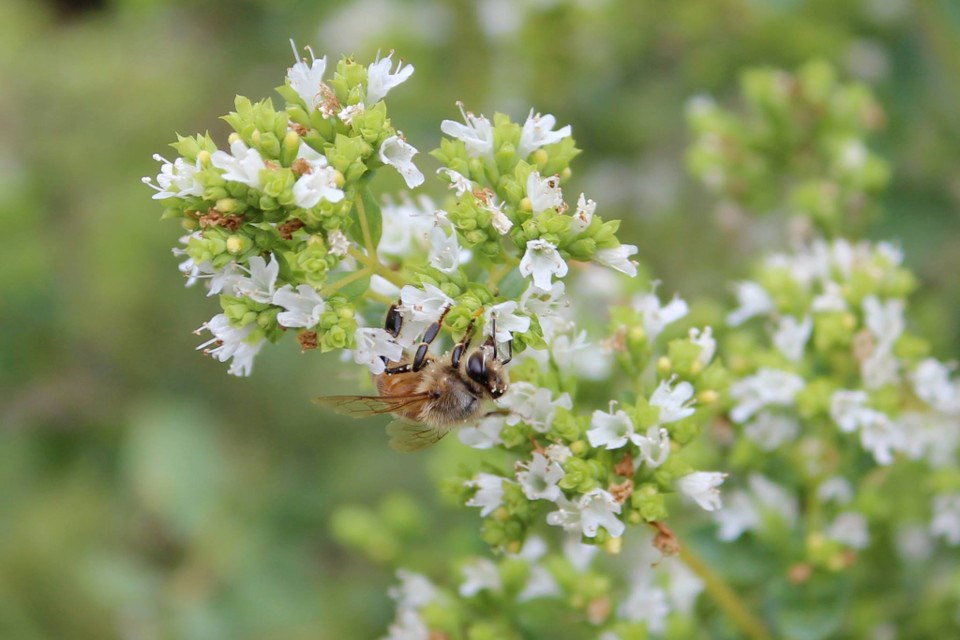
(491, 341)
(461, 346)
(420, 357)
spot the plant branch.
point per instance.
(377, 267)
(344, 281)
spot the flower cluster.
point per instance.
(802, 132)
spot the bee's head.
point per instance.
(484, 368)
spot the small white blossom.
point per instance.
(646, 603)
(932, 384)
(380, 79)
(408, 626)
(259, 285)
(766, 387)
(583, 216)
(578, 554)
(836, 489)
(499, 219)
(753, 300)
(884, 320)
(406, 226)
(538, 131)
(533, 405)
(705, 340)
(542, 260)
(745, 510)
(914, 543)
(654, 447)
(444, 247)
(540, 584)
(566, 516)
(320, 183)
(684, 585)
(702, 487)
(830, 300)
(339, 243)
(946, 518)
(599, 509)
(485, 434)
(738, 516)
(539, 477)
(791, 336)
(508, 322)
(307, 79)
(618, 258)
(232, 344)
(414, 591)
(460, 183)
(476, 133)
(557, 453)
(423, 305)
(846, 408)
(176, 179)
(480, 574)
(489, 493)
(656, 317)
(610, 430)
(770, 430)
(372, 346)
(880, 368)
(849, 528)
(302, 308)
(396, 152)
(544, 193)
(348, 113)
(242, 164)
(674, 402)
(313, 158)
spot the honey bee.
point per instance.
(430, 397)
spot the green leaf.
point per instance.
(353, 290)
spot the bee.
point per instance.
(430, 396)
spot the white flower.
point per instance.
(380, 80)
(656, 317)
(414, 591)
(878, 433)
(646, 603)
(318, 184)
(610, 430)
(548, 306)
(914, 543)
(540, 584)
(480, 574)
(578, 554)
(674, 402)
(753, 300)
(499, 219)
(738, 516)
(176, 179)
(306, 79)
(566, 516)
(476, 134)
(489, 493)
(846, 408)
(348, 113)
(302, 308)
(946, 518)
(708, 345)
(420, 308)
(533, 405)
(444, 247)
(557, 453)
(769, 430)
(408, 626)
(836, 489)
(702, 487)
(539, 477)
(880, 368)
(232, 343)
(599, 509)
(460, 183)
(259, 286)
(766, 387)
(508, 322)
(339, 243)
(406, 226)
(372, 346)
(684, 585)
(240, 165)
(543, 261)
(932, 384)
(791, 336)
(745, 511)
(884, 320)
(654, 447)
(398, 154)
(544, 193)
(849, 528)
(618, 258)
(584, 213)
(538, 131)
(313, 158)
(485, 434)
(830, 300)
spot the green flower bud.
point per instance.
(237, 244)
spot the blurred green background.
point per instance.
(144, 493)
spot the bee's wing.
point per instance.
(363, 406)
(409, 436)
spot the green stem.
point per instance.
(364, 226)
(376, 267)
(750, 625)
(342, 282)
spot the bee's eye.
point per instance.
(475, 367)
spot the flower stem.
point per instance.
(750, 625)
(364, 225)
(376, 267)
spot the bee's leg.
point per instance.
(394, 321)
(462, 345)
(403, 368)
(420, 359)
(491, 341)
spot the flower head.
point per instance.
(396, 152)
(542, 261)
(373, 345)
(544, 193)
(702, 487)
(306, 79)
(380, 79)
(539, 477)
(538, 131)
(242, 164)
(302, 308)
(476, 133)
